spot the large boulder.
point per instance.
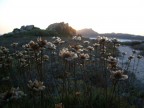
(22, 28)
(29, 27)
(16, 30)
(61, 29)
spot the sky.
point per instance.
(103, 16)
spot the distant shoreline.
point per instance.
(122, 40)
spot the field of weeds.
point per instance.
(69, 73)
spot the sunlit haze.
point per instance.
(103, 16)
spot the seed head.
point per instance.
(84, 56)
(90, 48)
(36, 85)
(130, 57)
(41, 42)
(45, 57)
(59, 105)
(118, 75)
(139, 56)
(77, 38)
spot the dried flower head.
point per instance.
(84, 56)
(19, 54)
(112, 59)
(76, 48)
(77, 38)
(78, 94)
(109, 54)
(4, 50)
(12, 94)
(36, 85)
(16, 93)
(134, 51)
(23, 62)
(67, 74)
(34, 46)
(59, 105)
(26, 47)
(114, 40)
(112, 66)
(90, 48)
(58, 40)
(67, 55)
(118, 75)
(102, 39)
(45, 57)
(14, 44)
(112, 63)
(124, 53)
(6, 78)
(96, 45)
(41, 42)
(50, 46)
(117, 45)
(139, 56)
(86, 42)
(1, 52)
(130, 57)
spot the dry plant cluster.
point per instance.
(75, 73)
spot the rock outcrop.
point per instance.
(24, 29)
(62, 29)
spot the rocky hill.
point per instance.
(28, 30)
(25, 29)
(89, 33)
(61, 28)
(56, 29)
(123, 36)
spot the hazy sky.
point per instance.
(103, 16)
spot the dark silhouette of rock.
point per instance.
(61, 28)
(89, 33)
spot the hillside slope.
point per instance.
(89, 33)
